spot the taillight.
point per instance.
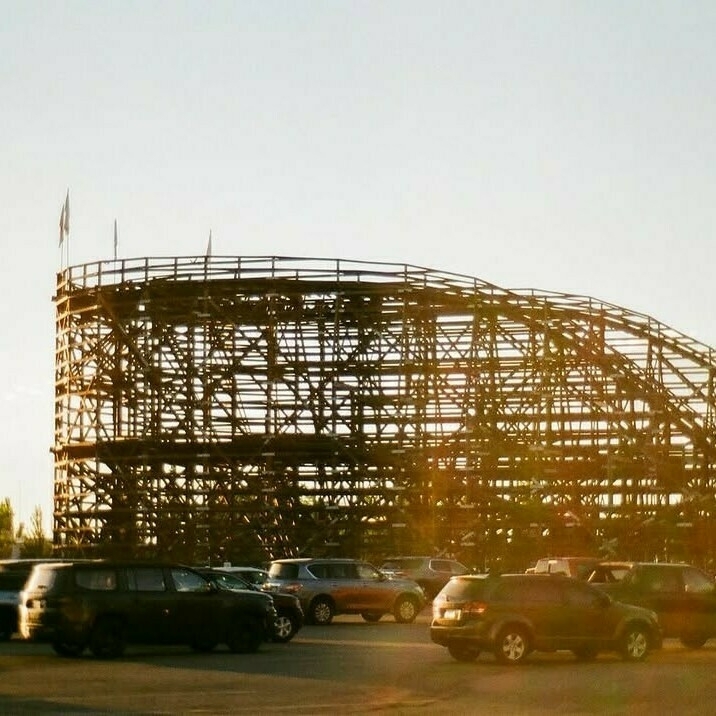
(457, 610)
(473, 609)
(294, 588)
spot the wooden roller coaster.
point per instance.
(243, 408)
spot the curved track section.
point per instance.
(242, 408)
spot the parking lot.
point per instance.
(352, 667)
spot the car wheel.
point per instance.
(693, 641)
(512, 645)
(244, 638)
(203, 644)
(7, 626)
(405, 611)
(463, 652)
(285, 628)
(635, 643)
(585, 653)
(321, 611)
(371, 616)
(64, 648)
(107, 639)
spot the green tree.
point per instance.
(36, 543)
(7, 533)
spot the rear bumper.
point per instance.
(472, 634)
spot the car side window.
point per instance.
(340, 570)
(146, 579)
(696, 582)
(319, 571)
(538, 591)
(440, 565)
(98, 580)
(458, 568)
(187, 581)
(578, 596)
(663, 581)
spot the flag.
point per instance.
(62, 225)
(115, 239)
(208, 245)
(65, 219)
(67, 212)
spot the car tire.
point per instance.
(512, 645)
(635, 643)
(244, 637)
(321, 611)
(371, 617)
(107, 639)
(203, 644)
(463, 652)
(285, 628)
(405, 610)
(693, 641)
(7, 626)
(68, 649)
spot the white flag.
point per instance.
(65, 218)
(62, 225)
(208, 245)
(115, 239)
(67, 213)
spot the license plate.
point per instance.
(452, 614)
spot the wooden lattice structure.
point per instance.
(240, 408)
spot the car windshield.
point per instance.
(228, 581)
(254, 576)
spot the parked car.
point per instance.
(106, 605)
(14, 573)
(577, 567)
(431, 573)
(327, 587)
(254, 575)
(289, 614)
(11, 583)
(512, 615)
(682, 595)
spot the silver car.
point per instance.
(327, 587)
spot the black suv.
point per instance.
(105, 605)
(683, 596)
(14, 574)
(514, 614)
(289, 619)
(12, 579)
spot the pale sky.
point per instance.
(561, 145)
